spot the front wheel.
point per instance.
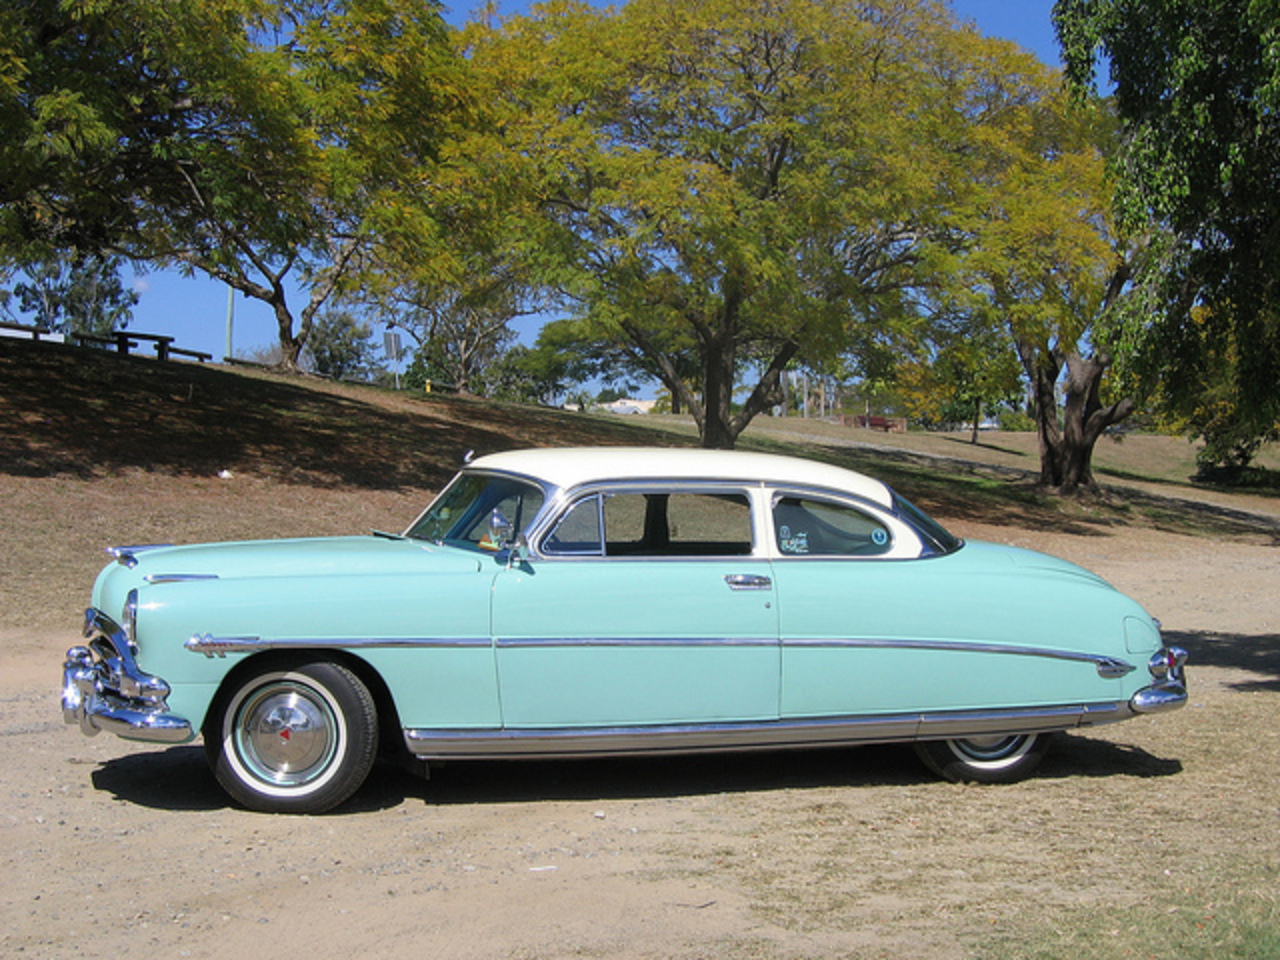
(997, 759)
(295, 737)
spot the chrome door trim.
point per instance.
(563, 742)
(212, 646)
(1107, 666)
(516, 643)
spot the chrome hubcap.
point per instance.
(285, 734)
(991, 749)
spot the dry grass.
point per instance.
(1157, 838)
(99, 449)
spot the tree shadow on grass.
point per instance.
(992, 494)
(986, 446)
(1256, 654)
(88, 413)
(982, 493)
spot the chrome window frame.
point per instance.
(907, 542)
(568, 499)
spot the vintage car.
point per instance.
(604, 602)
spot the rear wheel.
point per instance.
(295, 737)
(995, 759)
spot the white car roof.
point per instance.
(568, 467)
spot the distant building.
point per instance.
(629, 406)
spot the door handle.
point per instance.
(748, 581)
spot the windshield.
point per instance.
(463, 515)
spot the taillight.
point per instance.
(1167, 662)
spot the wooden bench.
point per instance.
(242, 362)
(126, 340)
(94, 338)
(877, 423)
(36, 332)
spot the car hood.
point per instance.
(311, 557)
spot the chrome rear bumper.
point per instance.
(103, 689)
(1169, 692)
(1159, 698)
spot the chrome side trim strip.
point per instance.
(476, 744)
(1109, 667)
(178, 577)
(212, 646)
(517, 643)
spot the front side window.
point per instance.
(807, 527)
(654, 524)
(464, 515)
(578, 534)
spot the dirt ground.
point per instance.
(109, 848)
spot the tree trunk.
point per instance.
(718, 357)
(1042, 367)
(290, 344)
(1084, 419)
(977, 417)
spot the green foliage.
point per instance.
(1034, 283)
(1197, 88)
(462, 329)
(1207, 407)
(340, 347)
(1015, 421)
(76, 293)
(249, 139)
(730, 182)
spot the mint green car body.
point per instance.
(758, 602)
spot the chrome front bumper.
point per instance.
(103, 689)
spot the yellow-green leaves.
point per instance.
(763, 179)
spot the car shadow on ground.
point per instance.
(179, 778)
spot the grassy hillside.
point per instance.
(91, 415)
(99, 449)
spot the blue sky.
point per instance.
(194, 310)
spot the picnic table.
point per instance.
(124, 341)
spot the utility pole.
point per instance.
(231, 315)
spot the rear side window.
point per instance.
(807, 527)
(654, 524)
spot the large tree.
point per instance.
(263, 143)
(1196, 84)
(1041, 273)
(747, 182)
(359, 91)
(461, 330)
